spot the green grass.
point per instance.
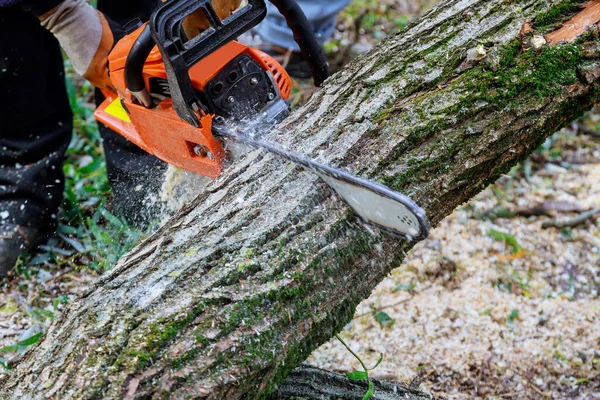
(507, 238)
(20, 346)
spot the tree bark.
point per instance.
(266, 265)
(308, 383)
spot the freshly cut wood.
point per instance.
(577, 25)
(237, 289)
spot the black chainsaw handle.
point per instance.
(134, 66)
(305, 37)
(291, 11)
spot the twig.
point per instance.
(590, 132)
(538, 390)
(60, 275)
(544, 209)
(344, 54)
(511, 394)
(374, 310)
(581, 161)
(570, 222)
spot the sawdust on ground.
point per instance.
(475, 317)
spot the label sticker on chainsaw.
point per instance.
(116, 110)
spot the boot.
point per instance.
(14, 240)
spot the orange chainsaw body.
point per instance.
(159, 130)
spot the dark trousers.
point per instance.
(36, 124)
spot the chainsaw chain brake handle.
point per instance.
(179, 53)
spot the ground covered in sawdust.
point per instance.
(492, 305)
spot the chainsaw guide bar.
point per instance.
(374, 203)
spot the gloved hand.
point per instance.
(197, 22)
(87, 36)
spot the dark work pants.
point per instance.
(36, 124)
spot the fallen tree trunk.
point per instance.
(266, 265)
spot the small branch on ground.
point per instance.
(543, 209)
(571, 222)
(581, 128)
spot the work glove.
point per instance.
(87, 36)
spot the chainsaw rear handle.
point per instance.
(134, 78)
(179, 55)
(305, 37)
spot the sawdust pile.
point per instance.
(474, 317)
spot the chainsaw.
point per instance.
(178, 98)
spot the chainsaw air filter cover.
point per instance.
(240, 90)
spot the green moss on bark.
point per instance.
(555, 14)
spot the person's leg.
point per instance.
(321, 14)
(35, 131)
(135, 176)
